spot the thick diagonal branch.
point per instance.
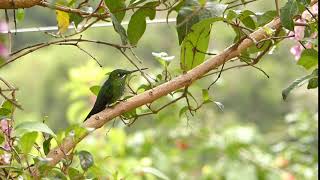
(98, 120)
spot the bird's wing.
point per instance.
(103, 99)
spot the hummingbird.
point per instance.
(111, 90)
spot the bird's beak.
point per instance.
(130, 72)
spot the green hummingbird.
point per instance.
(111, 90)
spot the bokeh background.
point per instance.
(256, 136)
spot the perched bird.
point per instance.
(111, 91)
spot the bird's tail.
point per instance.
(94, 110)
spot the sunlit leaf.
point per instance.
(27, 141)
(137, 24)
(30, 126)
(95, 89)
(63, 21)
(309, 58)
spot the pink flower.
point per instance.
(5, 158)
(3, 51)
(296, 51)
(5, 126)
(4, 27)
(299, 30)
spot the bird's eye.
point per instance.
(119, 75)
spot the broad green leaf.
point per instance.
(287, 13)
(4, 112)
(298, 82)
(55, 174)
(266, 17)
(192, 13)
(247, 20)
(33, 126)
(117, 7)
(86, 159)
(137, 23)
(154, 172)
(195, 44)
(27, 141)
(63, 21)
(309, 58)
(8, 105)
(95, 89)
(75, 174)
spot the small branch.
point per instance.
(27, 50)
(71, 10)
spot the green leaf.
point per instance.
(313, 83)
(31, 126)
(266, 17)
(20, 14)
(304, 2)
(56, 174)
(117, 7)
(27, 141)
(309, 58)
(182, 111)
(287, 13)
(86, 159)
(1, 138)
(196, 43)
(154, 172)
(75, 174)
(192, 13)
(75, 18)
(205, 95)
(247, 20)
(4, 112)
(95, 89)
(137, 23)
(46, 145)
(298, 82)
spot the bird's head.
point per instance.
(121, 73)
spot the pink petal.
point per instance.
(3, 27)
(3, 51)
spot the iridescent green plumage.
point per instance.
(111, 90)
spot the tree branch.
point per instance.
(98, 120)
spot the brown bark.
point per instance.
(15, 4)
(98, 120)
